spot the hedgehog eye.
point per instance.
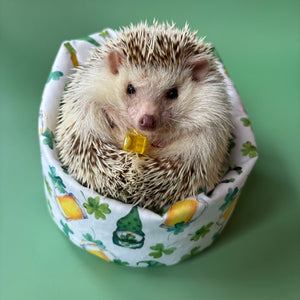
(172, 93)
(130, 89)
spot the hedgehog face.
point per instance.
(158, 102)
(147, 101)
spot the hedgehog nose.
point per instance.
(147, 122)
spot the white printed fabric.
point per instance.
(123, 233)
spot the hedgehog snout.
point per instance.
(147, 122)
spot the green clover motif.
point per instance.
(49, 137)
(160, 250)
(55, 75)
(239, 170)
(249, 150)
(93, 207)
(231, 180)
(202, 232)
(65, 171)
(229, 198)
(178, 227)
(66, 229)
(121, 263)
(104, 33)
(246, 122)
(56, 180)
(88, 237)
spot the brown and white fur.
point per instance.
(163, 82)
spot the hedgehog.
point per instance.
(165, 83)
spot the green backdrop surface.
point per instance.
(257, 256)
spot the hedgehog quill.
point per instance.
(164, 83)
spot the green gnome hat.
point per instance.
(129, 232)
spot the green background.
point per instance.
(257, 256)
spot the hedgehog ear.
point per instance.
(115, 60)
(199, 68)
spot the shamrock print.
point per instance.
(249, 149)
(246, 122)
(88, 237)
(103, 33)
(49, 137)
(56, 180)
(93, 207)
(66, 229)
(229, 198)
(160, 250)
(55, 75)
(178, 227)
(202, 232)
